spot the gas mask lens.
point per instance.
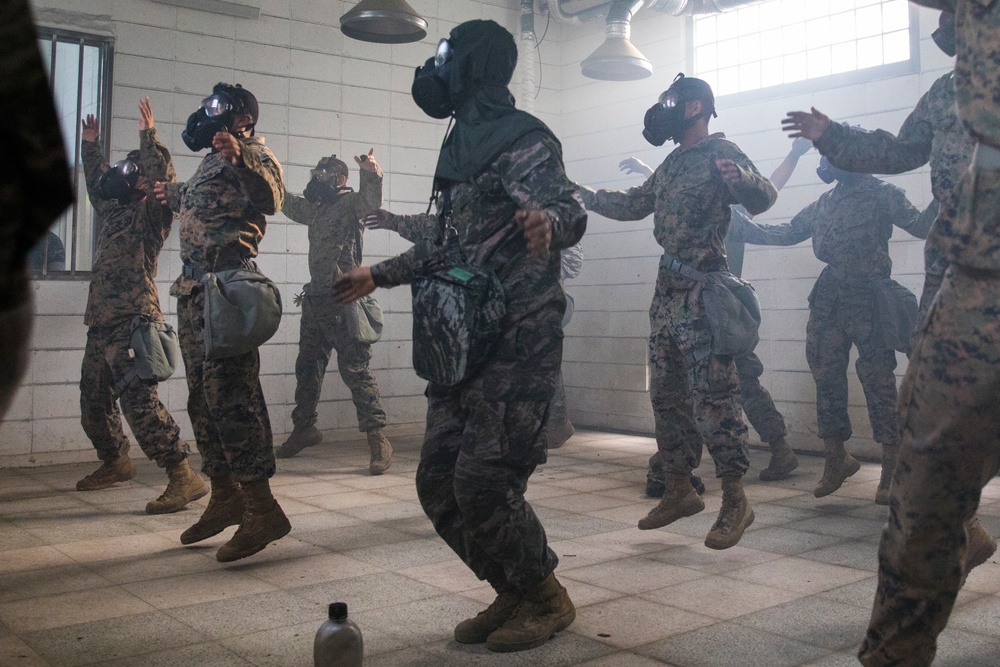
(668, 99)
(216, 105)
(443, 53)
(128, 169)
(323, 176)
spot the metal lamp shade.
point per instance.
(384, 22)
(616, 60)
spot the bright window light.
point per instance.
(782, 41)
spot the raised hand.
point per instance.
(801, 146)
(367, 162)
(729, 171)
(226, 143)
(160, 192)
(537, 231)
(146, 120)
(91, 131)
(633, 165)
(808, 124)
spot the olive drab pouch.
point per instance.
(731, 308)
(895, 315)
(155, 350)
(242, 311)
(364, 320)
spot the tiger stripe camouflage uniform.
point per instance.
(336, 238)
(950, 447)
(486, 435)
(850, 226)
(931, 133)
(35, 185)
(221, 211)
(694, 400)
(123, 287)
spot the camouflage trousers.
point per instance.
(557, 406)
(225, 402)
(950, 450)
(756, 401)
(106, 360)
(841, 316)
(693, 403)
(321, 331)
(474, 467)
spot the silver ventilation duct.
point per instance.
(695, 7)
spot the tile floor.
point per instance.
(88, 578)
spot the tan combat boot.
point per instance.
(544, 610)
(184, 486)
(109, 474)
(263, 523)
(679, 500)
(225, 508)
(477, 630)
(783, 462)
(980, 545)
(839, 466)
(889, 454)
(299, 439)
(735, 515)
(381, 452)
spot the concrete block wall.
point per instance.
(319, 93)
(605, 367)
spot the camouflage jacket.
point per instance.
(932, 132)
(690, 203)
(850, 226)
(221, 209)
(34, 177)
(528, 175)
(336, 233)
(572, 262)
(130, 239)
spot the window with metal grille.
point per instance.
(787, 41)
(79, 69)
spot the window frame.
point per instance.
(819, 84)
(105, 87)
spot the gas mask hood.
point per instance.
(944, 36)
(666, 119)
(217, 114)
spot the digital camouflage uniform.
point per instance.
(694, 400)
(335, 246)
(850, 227)
(122, 287)
(221, 211)
(950, 447)
(486, 435)
(931, 133)
(34, 182)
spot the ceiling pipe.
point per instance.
(617, 59)
(576, 18)
(695, 7)
(528, 56)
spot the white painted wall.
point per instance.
(606, 343)
(321, 93)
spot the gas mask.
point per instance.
(119, 181)
(944, 36)
(430, 87)
(665, 119)
(214, 116)
(322, 187)
(828, 173)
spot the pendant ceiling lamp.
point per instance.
(384, 22)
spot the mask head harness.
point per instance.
(217, 114)
(944, 36)
(666, 119)
(431, 88)
(322, 187)
(119, 182)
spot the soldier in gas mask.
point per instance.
(221, 211)
(695, 394)
(132, 232)
(333, 214)
(850, 227)
(507, 208)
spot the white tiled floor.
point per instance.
(88, 578)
